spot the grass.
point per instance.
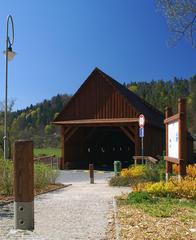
(43, 176)
(161, 207)
(47, 152)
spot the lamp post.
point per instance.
(9, 55)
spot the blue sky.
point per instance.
(58, 44)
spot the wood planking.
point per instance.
(98, 99)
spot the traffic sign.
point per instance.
(141, 132)
(141, 120)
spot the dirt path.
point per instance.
(76, 212)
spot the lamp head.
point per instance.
(10, 54)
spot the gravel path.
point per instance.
(79, 211)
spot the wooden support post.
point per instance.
(137, 142)
(168, 113)
(62, 161)
(91, 172)
(182, 154)
(128, 133)
(23, 185)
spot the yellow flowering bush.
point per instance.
(186, 188)
(134, 172)
(191, 170)
(129, 176)
(175, 169)
(141, 186)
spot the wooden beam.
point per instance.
(70, 133)
(129, 135)
(172, 160)
(98, 122)
(132, 131)
(173, 118)
(66, 130)
(137, 141)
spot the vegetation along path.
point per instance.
(80, 211)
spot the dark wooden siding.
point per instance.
(154, 140)
(98, 99)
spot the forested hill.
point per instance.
(41, 114)
(166, 93)
(35, 121)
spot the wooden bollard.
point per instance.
(23, 185)
(91, 172)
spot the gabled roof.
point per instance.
(152, 115)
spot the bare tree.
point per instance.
(181, 18)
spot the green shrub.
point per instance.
(155, 172)
(6, 177)
(53, 175)
(140, 197)
(120, 181)
(44, 175)
(124, 181)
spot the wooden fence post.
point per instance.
(23, 185)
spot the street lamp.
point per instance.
(9, 55)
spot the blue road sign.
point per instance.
(141, 132)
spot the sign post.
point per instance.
(141, 133)
(176, 140)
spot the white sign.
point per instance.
(173, 136)
(141, 120)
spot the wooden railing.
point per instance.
(146, 158)
(52, 161)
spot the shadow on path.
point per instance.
(6, 212)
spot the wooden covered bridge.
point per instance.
(100, 125)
